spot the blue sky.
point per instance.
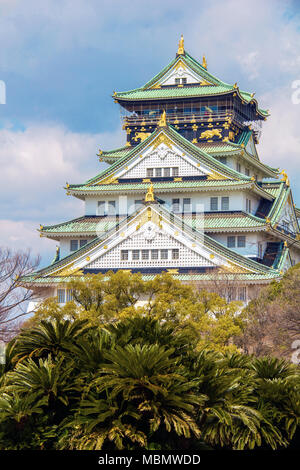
(61, 61)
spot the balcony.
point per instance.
(152, 119)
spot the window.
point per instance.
(69, 295)
(247, 172)
(213, 203)
(175, 205)
(145, 254)
(74, 245)
(225, 203)
(238, 167)
(260, 250)
(164, 254)
(177, 81)
(167, 172)
(175, 253)
(241, 241)
(101, 207)
(149, 172)
(61, 296)
(242, 294)
(154, 254)
(223, 160)
(82, 243)
(231, 294)
(175, 171)
(111, 207)
(135, 254)
(231, 242)
(187, 204)
(158, 172)
(183, 81)
(248, 205)
(124, 255)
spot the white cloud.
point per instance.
(36, 163)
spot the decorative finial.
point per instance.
(235, 85)
(285, 177)
(67, 185)
(181, 46)
(163, 120)
(150, 195)
(204, 63)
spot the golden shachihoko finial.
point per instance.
(204, 63)
(163, 120)
(150, 194)
(181, 46)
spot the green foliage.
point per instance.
(140, 383)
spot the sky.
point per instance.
(61, 60)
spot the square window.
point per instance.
(145, 254)
(154, 254)
(231, 242)
(150, 172)
(223, 160)
(135, 254)
(183, 81)
(225, 203)
(175, 171)
(175, 253)
(158, 172)
(167, 172)
(213, 203)
(61, 296)
(74, 245)
(241, 241)
(124, 255)
(177, 81)
(164, 254)
(82, 243)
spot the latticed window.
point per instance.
(167, 172)
(111, 207)
(158, 172)
(223, 160)
(213, 203)
(150, 172)
(242, 293)
(241, 241)
(145, 254)
(124, 255)
(247, 172)
(135, 254)
(231, 242)
(175, 171)
(61, 296)
(187, 204)
(74, 245)
(175, 253)
(101, 207)
(82, 243)
(225, 203)
(164, 254)
(238, 167)
(175, 205)
(69, 295)
(154, 254)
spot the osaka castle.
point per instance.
(187, 193)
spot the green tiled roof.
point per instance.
(218, 87)
(112, 155)
(212, 221)
(173, 185)
(195, 151)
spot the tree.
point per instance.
(103, 299)
(14, 297)
(272, 320)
